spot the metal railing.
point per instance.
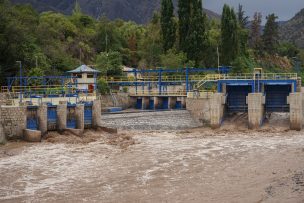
(52, 89)
(247, 76)
(157, 93)
(164, 78)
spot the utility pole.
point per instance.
(36, 61)
(21, 83)
(218, 59)
(80, 56)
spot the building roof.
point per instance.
(84, 69)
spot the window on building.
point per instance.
(79, 75)
(90, 76)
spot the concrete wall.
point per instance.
(207, 109)
(256, 110)
(296, 111)
(123, 100)
(96, 113)
(61, 117)
(79, 113)
(3, 98)
(42, 118)
(13, 120)
(200, 108)
(217, 109)
(2, 135)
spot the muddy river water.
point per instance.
(162, 166)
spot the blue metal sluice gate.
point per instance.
(275, 92)
(51, 117)
(139, 103)
(32, 118)
(165, 104)
(276, 98)
(88, 114)
(236, 98)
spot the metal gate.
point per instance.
(276, 98)
(51, 117)
(139, 104)
(165, 103)
(71, 116)
(88, 114)
(32, 118)
(151, 104)
(178, 105)
(236, 97)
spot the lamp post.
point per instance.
(297, 64)
(21, 83)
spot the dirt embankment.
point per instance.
(122, 140)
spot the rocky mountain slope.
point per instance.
(139, 11)
(293, 30)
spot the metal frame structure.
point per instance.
(43, 84)
(163, 77)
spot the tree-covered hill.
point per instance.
(293, 30)
(139, 11)
(178, 35)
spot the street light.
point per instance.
(20, 66)
(297, 64)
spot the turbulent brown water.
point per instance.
(232, 164)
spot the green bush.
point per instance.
(102, 86)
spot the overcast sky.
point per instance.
(284, 9)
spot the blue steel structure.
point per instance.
(32, 118)
(31, 85)
(275, 91)
(162, 72)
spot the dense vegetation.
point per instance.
(51, 43)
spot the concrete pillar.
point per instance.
(296, 107)
(299, 85)
(2, 135)
(224, 88)
(145, 103)
(61, 117)
(96, 113)
(32, 135)
(184, 103)
(256, 102)
(217, 107)
(42, 118)
(133, 101)
(158, 102)
(79, 113)
(172, 102)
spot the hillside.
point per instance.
(139, 11)
(293, 30)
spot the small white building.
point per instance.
(86, 78)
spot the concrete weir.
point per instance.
(209, 109)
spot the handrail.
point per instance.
(157, 93)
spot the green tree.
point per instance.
(242, 18)
(174, 60)
(270, 36)
(168, 25)
(108, 37)
(150, 47)
(102, 86)
(197, 37)
(229, 36)
(255, 33)
(109, 63)
(183, 22)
